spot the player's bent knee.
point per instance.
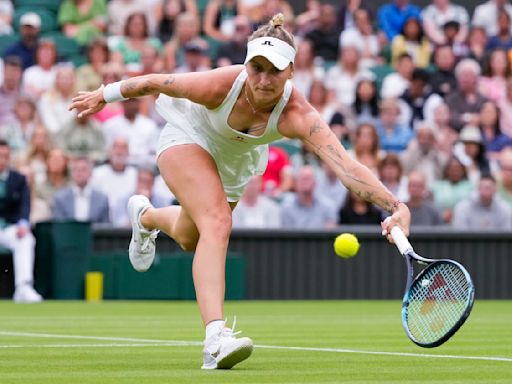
(188, 244)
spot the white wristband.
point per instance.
(112, 92)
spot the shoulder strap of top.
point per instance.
(276, 113)
(233, 93)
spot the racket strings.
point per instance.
(437, 301)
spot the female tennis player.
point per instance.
(218, 126)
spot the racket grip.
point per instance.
(400, 240)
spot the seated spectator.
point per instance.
(341, 79)
(423, 155)
(471, 152)
(80, 201)
(394, 137)
(218, 20)
(170, 11)
(452, 188)
(485, 211)
(422, 210)
(365, 108)
(437, 14)
(15, 229)
(418, 101)
(493, 139)
(40, 77)
(255, 210)
(505, 107)
(443, 79)
(145, 185)
(486, 14)
(277, 178)
(391, 175)
(329, 187)
(303, 209)
(357, 210)
(395, 84)
(347, 13)
(503, 39)
(6, 11)
(412, 41)
(10, 90)
(56, 176)
(83, 21)
(196, 57)
(466, 101)
(19, 130)
(89, 75)
(187, 28)
(460, 48)
(54, 104)
(476, 45)
(319, 98)
(366, 146)
(39, 210)
(305, 70)
(492, 83)
(120, 10)
(128, 48)
(391, 16)
(115, 177)
(82, 137)
(140, 131)
(35, 154)
(446, 136)
(362, 36)
(325, 37)
(234, 50)
(504, 176)
(25, 48)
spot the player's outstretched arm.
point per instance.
(206, 88)
(317, 135)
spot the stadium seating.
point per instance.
(6, 41)
(48, 18)
(50, 5)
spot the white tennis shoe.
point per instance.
(223, 350)
(142, 244)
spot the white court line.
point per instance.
(176, 343)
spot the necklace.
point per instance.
(254, 110)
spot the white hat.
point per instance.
(470, 133)
(31, 18)
(279, 53)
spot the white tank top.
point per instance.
(238, 155)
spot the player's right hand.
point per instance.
(88, 103)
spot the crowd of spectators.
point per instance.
(422, 97)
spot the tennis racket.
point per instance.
(438, 301)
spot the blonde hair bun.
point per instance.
(277, 20)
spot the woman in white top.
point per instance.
(219, 123)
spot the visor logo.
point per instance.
(267, 42)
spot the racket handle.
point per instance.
(400, 240)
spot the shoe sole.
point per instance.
(235, 357)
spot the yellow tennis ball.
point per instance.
(346, 245)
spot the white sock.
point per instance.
(214, 327)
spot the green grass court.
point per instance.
(331, 342)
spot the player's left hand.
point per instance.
(88, 103)
(401, 218)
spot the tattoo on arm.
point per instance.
(315, 128)
(170, 80)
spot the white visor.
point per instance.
(279, 53)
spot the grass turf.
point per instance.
(361, 325)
